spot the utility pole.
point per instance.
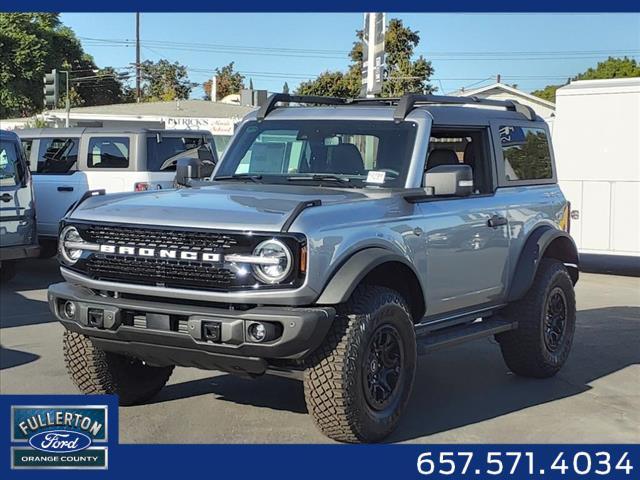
(138, 57)
(67, 103)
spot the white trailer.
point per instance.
(596, 135)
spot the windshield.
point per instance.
(342, 152)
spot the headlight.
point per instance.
(280, 265)
(70, 245)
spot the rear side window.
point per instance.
(526, 153)
(26, 147)
(10, 168)
(108, 152)
(159, 154)
(57, 155)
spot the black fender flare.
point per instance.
(347, 277)
(535, 247)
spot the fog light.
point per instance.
(257, 331)
(69, 310)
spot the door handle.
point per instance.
(6, 197)
(497, 221)
(65, 189)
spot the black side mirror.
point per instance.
(190, 168)
(449, 180)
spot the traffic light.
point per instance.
(51, 89)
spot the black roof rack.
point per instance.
(404, 105)
(412, 100)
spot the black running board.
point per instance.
(448, 337)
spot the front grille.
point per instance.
(148, 237)
(155, 271)
(177, 272)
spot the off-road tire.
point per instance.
(95, 371)
(7, 270)
(524, 349)
(333, 381)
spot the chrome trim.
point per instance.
(253, 259)
(93, 247)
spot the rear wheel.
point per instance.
(546, 317)
(358, 382)
(95, 371)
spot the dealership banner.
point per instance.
(324, 6)
(76, 436)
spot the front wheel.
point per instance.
(358, 382)
(546, 317)
(95, 371)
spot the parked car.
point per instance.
(17, 209)
(67, 162)
(333, 244)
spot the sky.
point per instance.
(467, 50)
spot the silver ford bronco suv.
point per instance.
(336, 241)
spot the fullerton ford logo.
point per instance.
(159, 253)
(60, 441)
(73, 436)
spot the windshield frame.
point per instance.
(227, 168)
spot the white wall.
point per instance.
(597, 147)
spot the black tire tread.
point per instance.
(328, 384)
(521, 348)
(95, 371)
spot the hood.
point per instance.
(224, 205)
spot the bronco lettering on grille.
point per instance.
(160, 253)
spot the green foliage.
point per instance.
(405, 74)
(228, 82)
(610, 68)
(32, 44)
(163, 81)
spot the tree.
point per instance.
(164, 81)
(32, 44)
(228, 82)
(405, 74)
(610, 68)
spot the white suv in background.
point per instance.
(67, 162)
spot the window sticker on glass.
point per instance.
(375, 176)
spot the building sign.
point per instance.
(217, 126)
(373, 53)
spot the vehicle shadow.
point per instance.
(21, 302)
(14, 358)
(465, 384)
(271, 392)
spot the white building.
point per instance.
(500, 91)
(217, 117)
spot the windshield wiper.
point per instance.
(321, 177)
(240, 176)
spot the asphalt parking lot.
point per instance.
(464, 394)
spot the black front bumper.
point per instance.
(19, 251)
(166, 333)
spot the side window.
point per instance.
(57, 155)
(108, 152)
(526, 153)
(467, 147)
(10, 171)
